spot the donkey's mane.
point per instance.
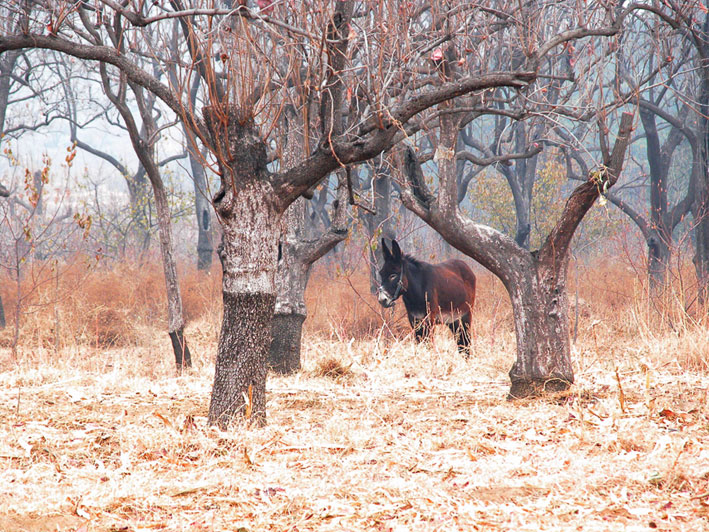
(413, 261)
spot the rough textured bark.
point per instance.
(287, 334)
(240, 374)
(291, 281)
(250, 215)
(296, 255)
(536, 281)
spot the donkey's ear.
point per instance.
(396, 250)
(385, 250)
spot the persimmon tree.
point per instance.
(535, 280)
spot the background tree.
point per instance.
(536, 282)
(299, 247)
(144, 133)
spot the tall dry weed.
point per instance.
(102, 305)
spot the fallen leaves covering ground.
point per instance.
(405, 437)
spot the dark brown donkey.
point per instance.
(432, 293)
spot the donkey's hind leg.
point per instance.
(462, 333)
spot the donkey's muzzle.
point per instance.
(384, 299)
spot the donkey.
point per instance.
(433, 293)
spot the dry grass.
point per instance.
(375, 433)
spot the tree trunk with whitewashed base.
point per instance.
(247, 207)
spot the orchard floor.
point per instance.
(396, 437)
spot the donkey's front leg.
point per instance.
(422, 329)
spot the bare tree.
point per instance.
(535, 281)
(144, 133)
(690, 22)
(298, 249)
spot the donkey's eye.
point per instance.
(392, 277)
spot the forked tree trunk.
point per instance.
(296, 255)
(540, 306)
(296, 258)
(536, 281)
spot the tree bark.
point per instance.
(287, 334)
(249, 211)
(240, 374)
(291, 280)
(175, 315)
(700, 209)
(541, 308)
(296, 258)
(249, 256)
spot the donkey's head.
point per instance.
(391, 275)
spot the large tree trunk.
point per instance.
(250, 221)
(540, 306)
(249, 256)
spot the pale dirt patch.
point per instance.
(410, 438)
